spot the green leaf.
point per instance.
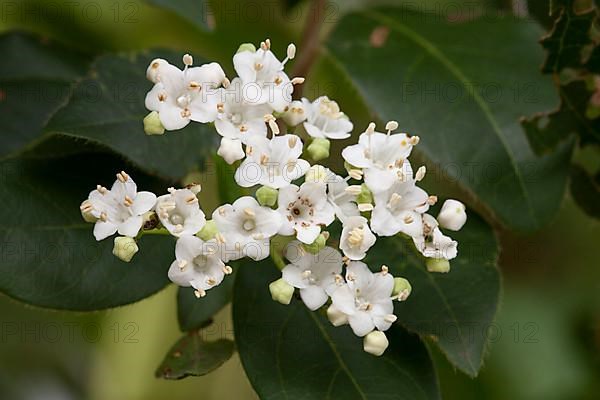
(51, 258)
(194, 11)
(456, 308)
(193, 313)
(192, 356)
(107, 108)
(464, 101)
(586, 191)
(36, 78)
(291, 352)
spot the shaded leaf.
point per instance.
(192, 356)
(462, 101)
(586, 191)
(455, 308)
(36, 78)
(51, 258)
(291, 352)
(107, 108)
(194, 11)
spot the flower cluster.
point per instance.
(294, 201)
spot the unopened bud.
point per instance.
(125, 248)
(267, 196)
(281, 291)
(402, 289)
(318, 245)
(246, 47)
(319, 149)
(208, 231)
(336, 317)
(437, 265)
(231, 150)
(452, 215)
(375, 343)
(317, 174)
(152, 124)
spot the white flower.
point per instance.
(239, 119)
(198, 264)
(180, 212)
(246, 227)
(119, 209)
(356, 238)
(274, 163)
(263, 78)
(366, 299)
(316, 275)
(231, 150)
(433, 243)
(382, 157)
(452, 215)
(399, 209)
(325, 120)
(180, 96)
(341, 199)
(295, 113)
(304, 210)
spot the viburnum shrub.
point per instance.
(270, 138)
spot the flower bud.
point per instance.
(402, 289)
(336, 317)
(281, 291)
(246, 47)
(208, 231)
(231, 150)
(86, 211)
(267, 196)
(437, 265)
(319, 149)
(375, 343)
(452, 215)
(152, 124)
(316, 174)
(318, 245)
(365, 196)
(125, 248)
(295, 113)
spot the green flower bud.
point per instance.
(402, 289)
(318, 245)
(319, 149)
(246, 47)
(267, 196)
(375, 343)
(281, 291)
(437, 265)
(125, 248)
(152, 124)
(209, 230)
(365, 196)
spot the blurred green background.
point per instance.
(545, 343)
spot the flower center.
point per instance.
(200, 262)
(356, 236)
(249, 224)
(176, 219)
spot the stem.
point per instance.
(160, 231)
(310, 42)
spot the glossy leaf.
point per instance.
(291, 352)
(457, 308)
(51, 258)
(36, 78)
(192, 356)
(107, 108)
(453, 89)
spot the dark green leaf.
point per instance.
(107, 108)
(456, 308)
(192, 356)
(456, 88)
(51, 258)
(291, 352)
(586, 191)
(195, 11)
(193, 313)
(36, 78)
